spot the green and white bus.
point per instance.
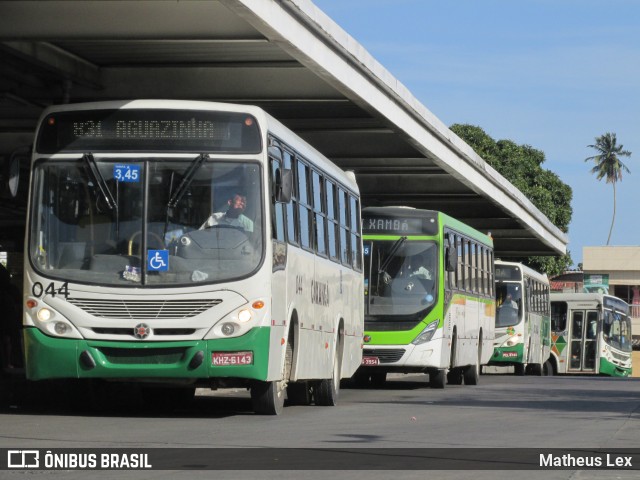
(429, 296)
(181, 244)
(591, 334)
(523, 323)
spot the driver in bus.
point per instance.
(509, 302)
(233, 215)
(418, 268)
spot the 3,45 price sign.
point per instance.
(126, 173)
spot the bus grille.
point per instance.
(143, 356)
(385, 355)
(619, 357)
(156, 331)
(143, 309)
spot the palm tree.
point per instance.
(608, 165)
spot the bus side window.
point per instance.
(319, 213)
(277, 215)
(332, 221)
(292, 236)
(558, 316)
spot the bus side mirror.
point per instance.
(284, 185)
(451, 259)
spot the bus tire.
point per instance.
(328, 389)
(547, 369)
(518, 369)
(472, 372)
(437, 378)
(267, 398)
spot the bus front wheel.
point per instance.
(267, 398)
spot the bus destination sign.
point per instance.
(508, 272)
(399, 225)
(149, 130)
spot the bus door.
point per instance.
(584, 329)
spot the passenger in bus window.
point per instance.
(233, 215)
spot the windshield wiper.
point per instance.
(196, 163)
(188, 177)
(100, 182)
(392, 252)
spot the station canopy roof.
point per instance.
(285, 56)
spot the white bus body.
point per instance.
(256, 308)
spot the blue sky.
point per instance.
(553, 74)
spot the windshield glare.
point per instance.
(400, 276)
(616, 330)
(509, 303)
(88, 227)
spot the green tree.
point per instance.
(522, 166)
(608, 165)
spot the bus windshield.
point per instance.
(509, 302)
(199, 220)
(616, 330)
(400, 277)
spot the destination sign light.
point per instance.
(149, 130)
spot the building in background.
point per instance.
(571, 281)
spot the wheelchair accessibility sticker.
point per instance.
(158, 260)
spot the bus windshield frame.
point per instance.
(401, 278)
(509, 304)
(92, 217)
(616, 329)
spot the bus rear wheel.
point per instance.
(327, 390)
(472, 372)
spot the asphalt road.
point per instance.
(503, 411)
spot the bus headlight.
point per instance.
(244, 315)
(427, 333)
(44, 314)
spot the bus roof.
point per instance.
(582, 297)
(444, 219)
(541, 277)
(272, 125)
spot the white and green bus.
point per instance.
(181, 244)
(591, 334)
(429, 296)
(523, 324)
